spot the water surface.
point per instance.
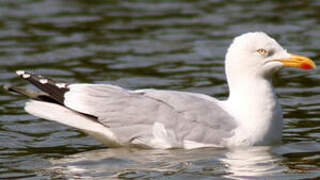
(178, 45)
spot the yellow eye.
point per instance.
(262, 52)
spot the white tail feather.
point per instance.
(58, 113)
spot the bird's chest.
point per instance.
(259, 119)
(264, 124)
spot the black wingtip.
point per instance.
(54, 89)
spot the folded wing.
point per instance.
(153, 117)
(116, 116)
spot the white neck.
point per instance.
(253, 104)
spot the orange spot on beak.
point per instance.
(305, 66)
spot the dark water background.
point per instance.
(177, 45)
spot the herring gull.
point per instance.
(150, 118)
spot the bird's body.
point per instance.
(251, 115)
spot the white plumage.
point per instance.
(251, 115)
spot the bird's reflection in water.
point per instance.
(251, 162)
(125, 163)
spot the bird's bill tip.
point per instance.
(298, 61)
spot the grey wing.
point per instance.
(140, 116)
(200, 117)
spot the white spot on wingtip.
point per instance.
(43, 81)
(20, 72)
(61, 85)
(25, 76)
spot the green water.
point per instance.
(177, 45)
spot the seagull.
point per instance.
(165, 119)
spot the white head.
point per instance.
(255, 54)
(250, 61)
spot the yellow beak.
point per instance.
(298, 61)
